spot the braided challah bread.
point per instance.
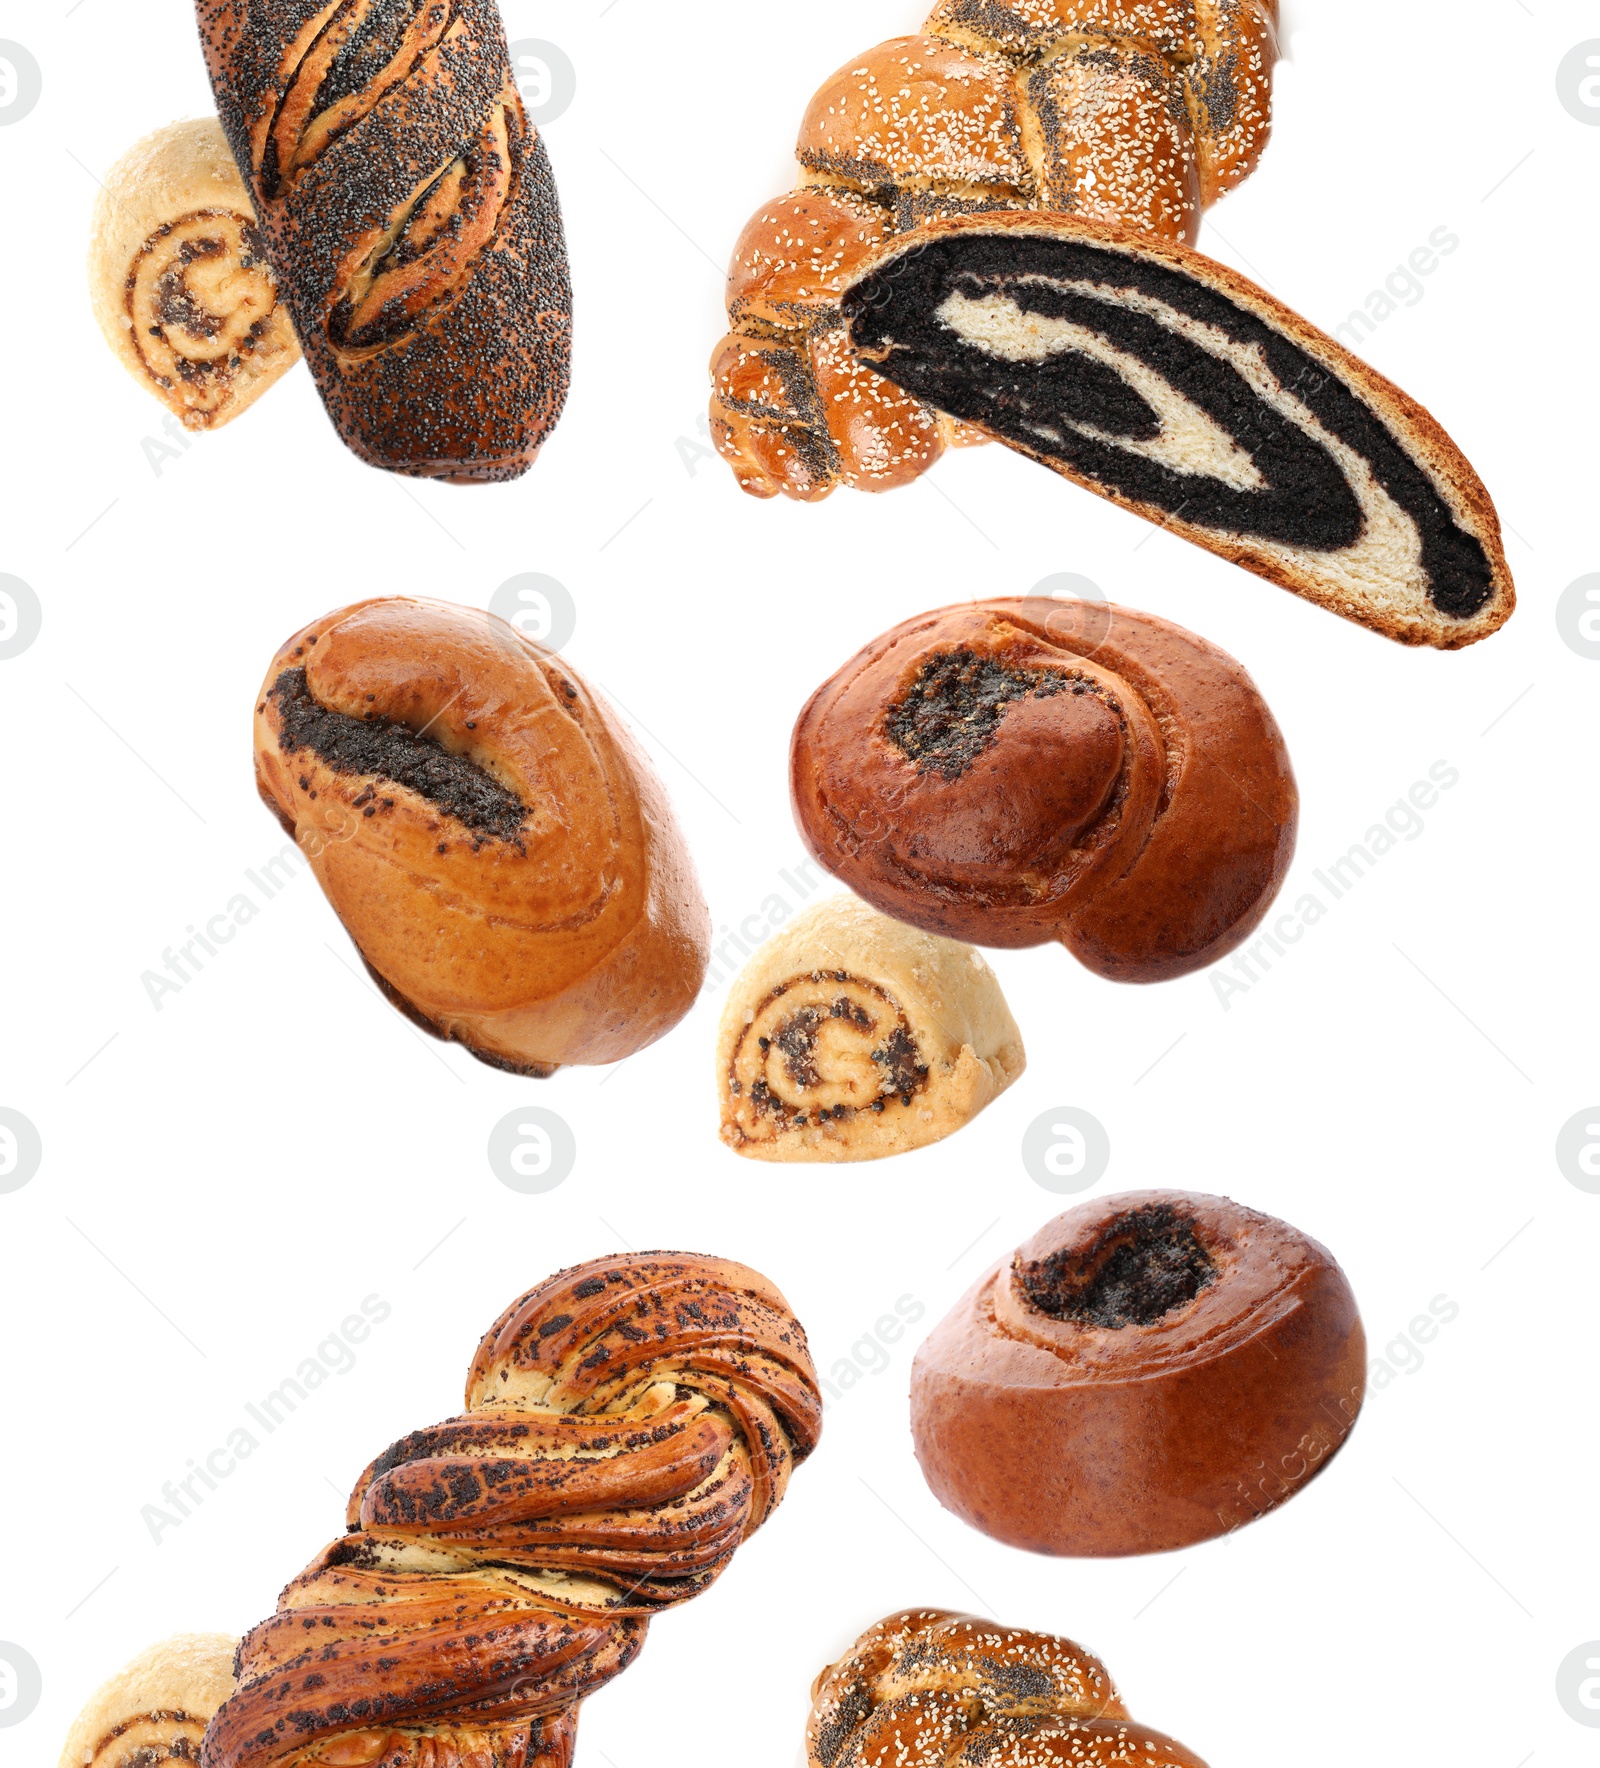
(629, 1423)
(1135, 111)
(929, 1688)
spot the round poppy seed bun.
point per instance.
(1011, 772)
(1148, 1371)
(155, 1709)
(491, 836)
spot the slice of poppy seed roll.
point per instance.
(1175, 387)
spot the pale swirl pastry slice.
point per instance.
(179, 277)
(850, 1037)
(928, 1688)
(157, 1708)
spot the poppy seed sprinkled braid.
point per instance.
(629, 1423)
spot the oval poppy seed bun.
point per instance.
(491, 836)
(1012, 772)
(1148, 1371)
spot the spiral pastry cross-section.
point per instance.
(1138, 112)
(930, 1688)
(180, 281)
(628, 1423)
(851, 1036)
(1011, 772)
(155, 1710)
(409, 206)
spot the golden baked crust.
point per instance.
(1142, 112)
(629, 1423)
(179, 278)
(930, 1688)
(488, 831)
(1015, 771)
(850, 1036)
(155, 1709)
(1149, 1371)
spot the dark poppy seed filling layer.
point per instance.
(1074, 409)
(793, 1033)
(119, 1749)
(380, 747)
(950, 714)
(1142, 1267)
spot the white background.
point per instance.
(228, 1177)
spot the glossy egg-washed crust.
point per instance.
(1141, 808)
(1148, 1371)
(628, 1423)
(931, 1688)
(1143, 112)
(410, 212)
(540, 906)
(154, 1710)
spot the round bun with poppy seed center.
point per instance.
(1148, 1371)
(1011, 772)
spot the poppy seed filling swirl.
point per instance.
(1155, 387)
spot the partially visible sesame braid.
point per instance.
(1141, 112)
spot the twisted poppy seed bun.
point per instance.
(1175, 387)
(1149, 1371)
(410, 212)
(156, 1709)
(1016, 771)
(929, 1688)
(629, 1424)
(487, 830)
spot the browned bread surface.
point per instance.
(409, 209)
(489, 833)
(1148, 1371)
(1015, 771)
(929, 1688)
(1138, 111)
(629, 1423)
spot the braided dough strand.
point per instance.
(1136, 112)
(629, 1423)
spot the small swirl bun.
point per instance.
(179, 278)
(156, 1709)
(1010, 772)
(487, 830)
